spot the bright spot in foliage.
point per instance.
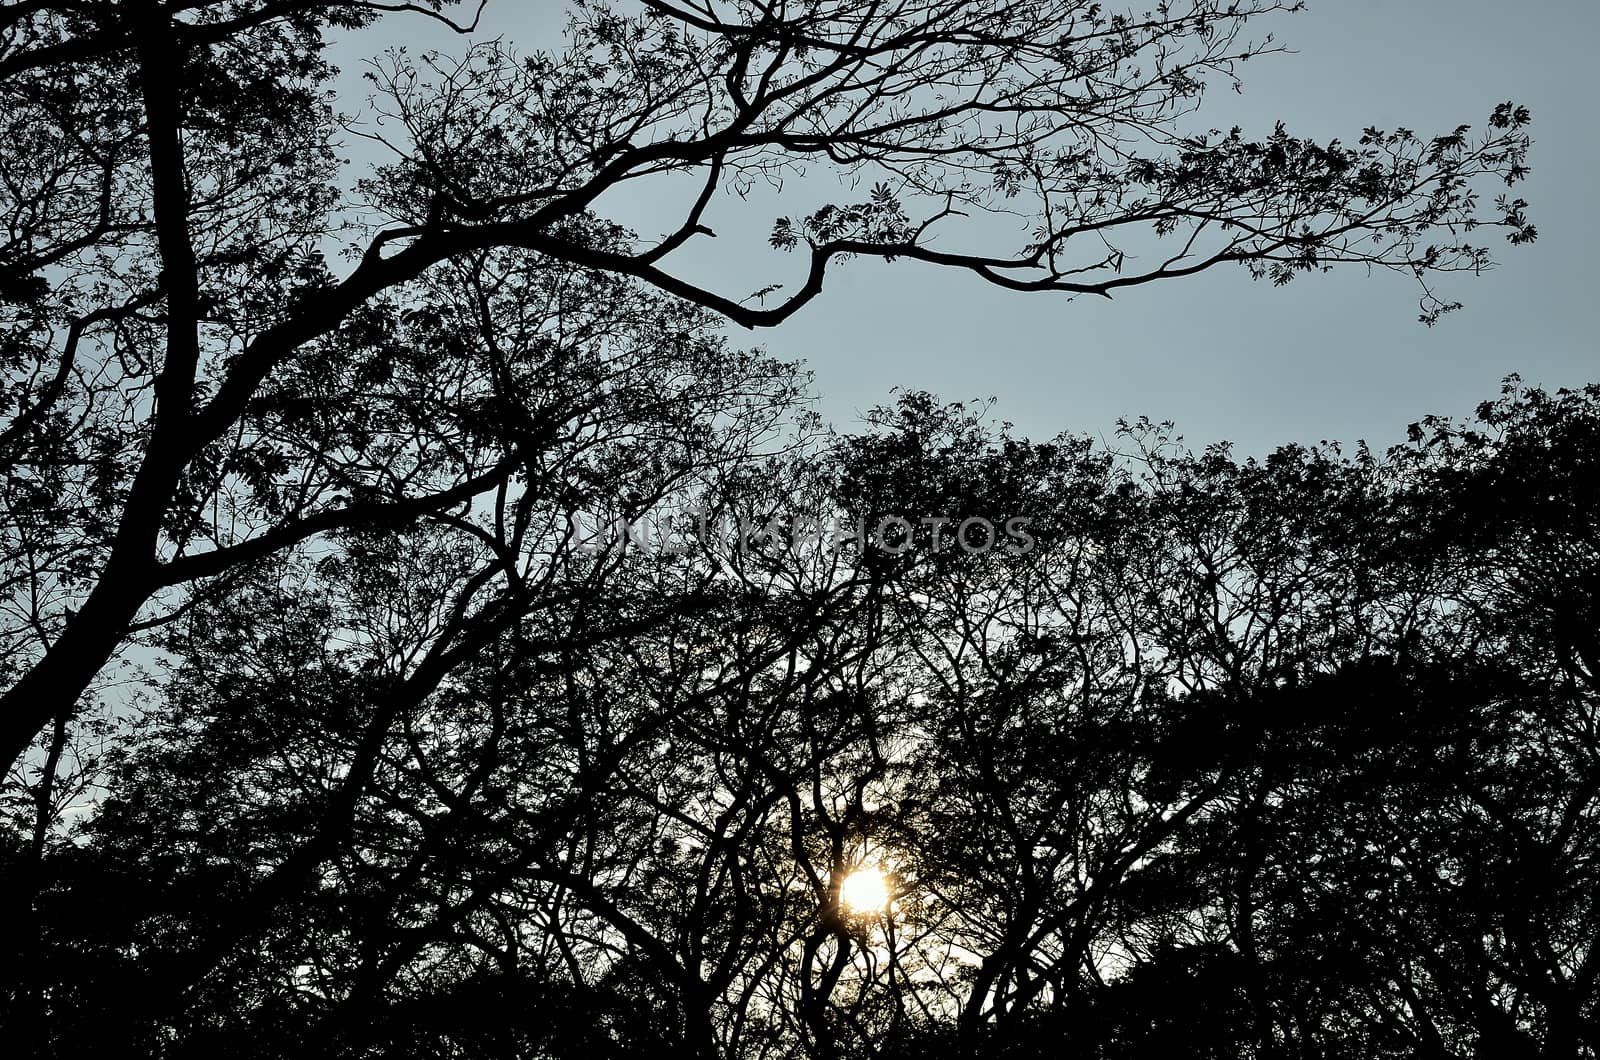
(864, 891)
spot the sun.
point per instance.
(864, 891)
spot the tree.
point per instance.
(320, 657)
(1266, 758)
(173, 185)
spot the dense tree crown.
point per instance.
(329, 735)
(1283, 758)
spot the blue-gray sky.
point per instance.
(1337, 356)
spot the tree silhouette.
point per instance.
(1245, 758)
(1290, 758)
(174, 186)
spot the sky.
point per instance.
(1338, 356)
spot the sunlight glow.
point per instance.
(864, 891)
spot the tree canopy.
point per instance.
(174, 192)
(1291, 757)
(334, 726)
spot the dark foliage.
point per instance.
(332, 736)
